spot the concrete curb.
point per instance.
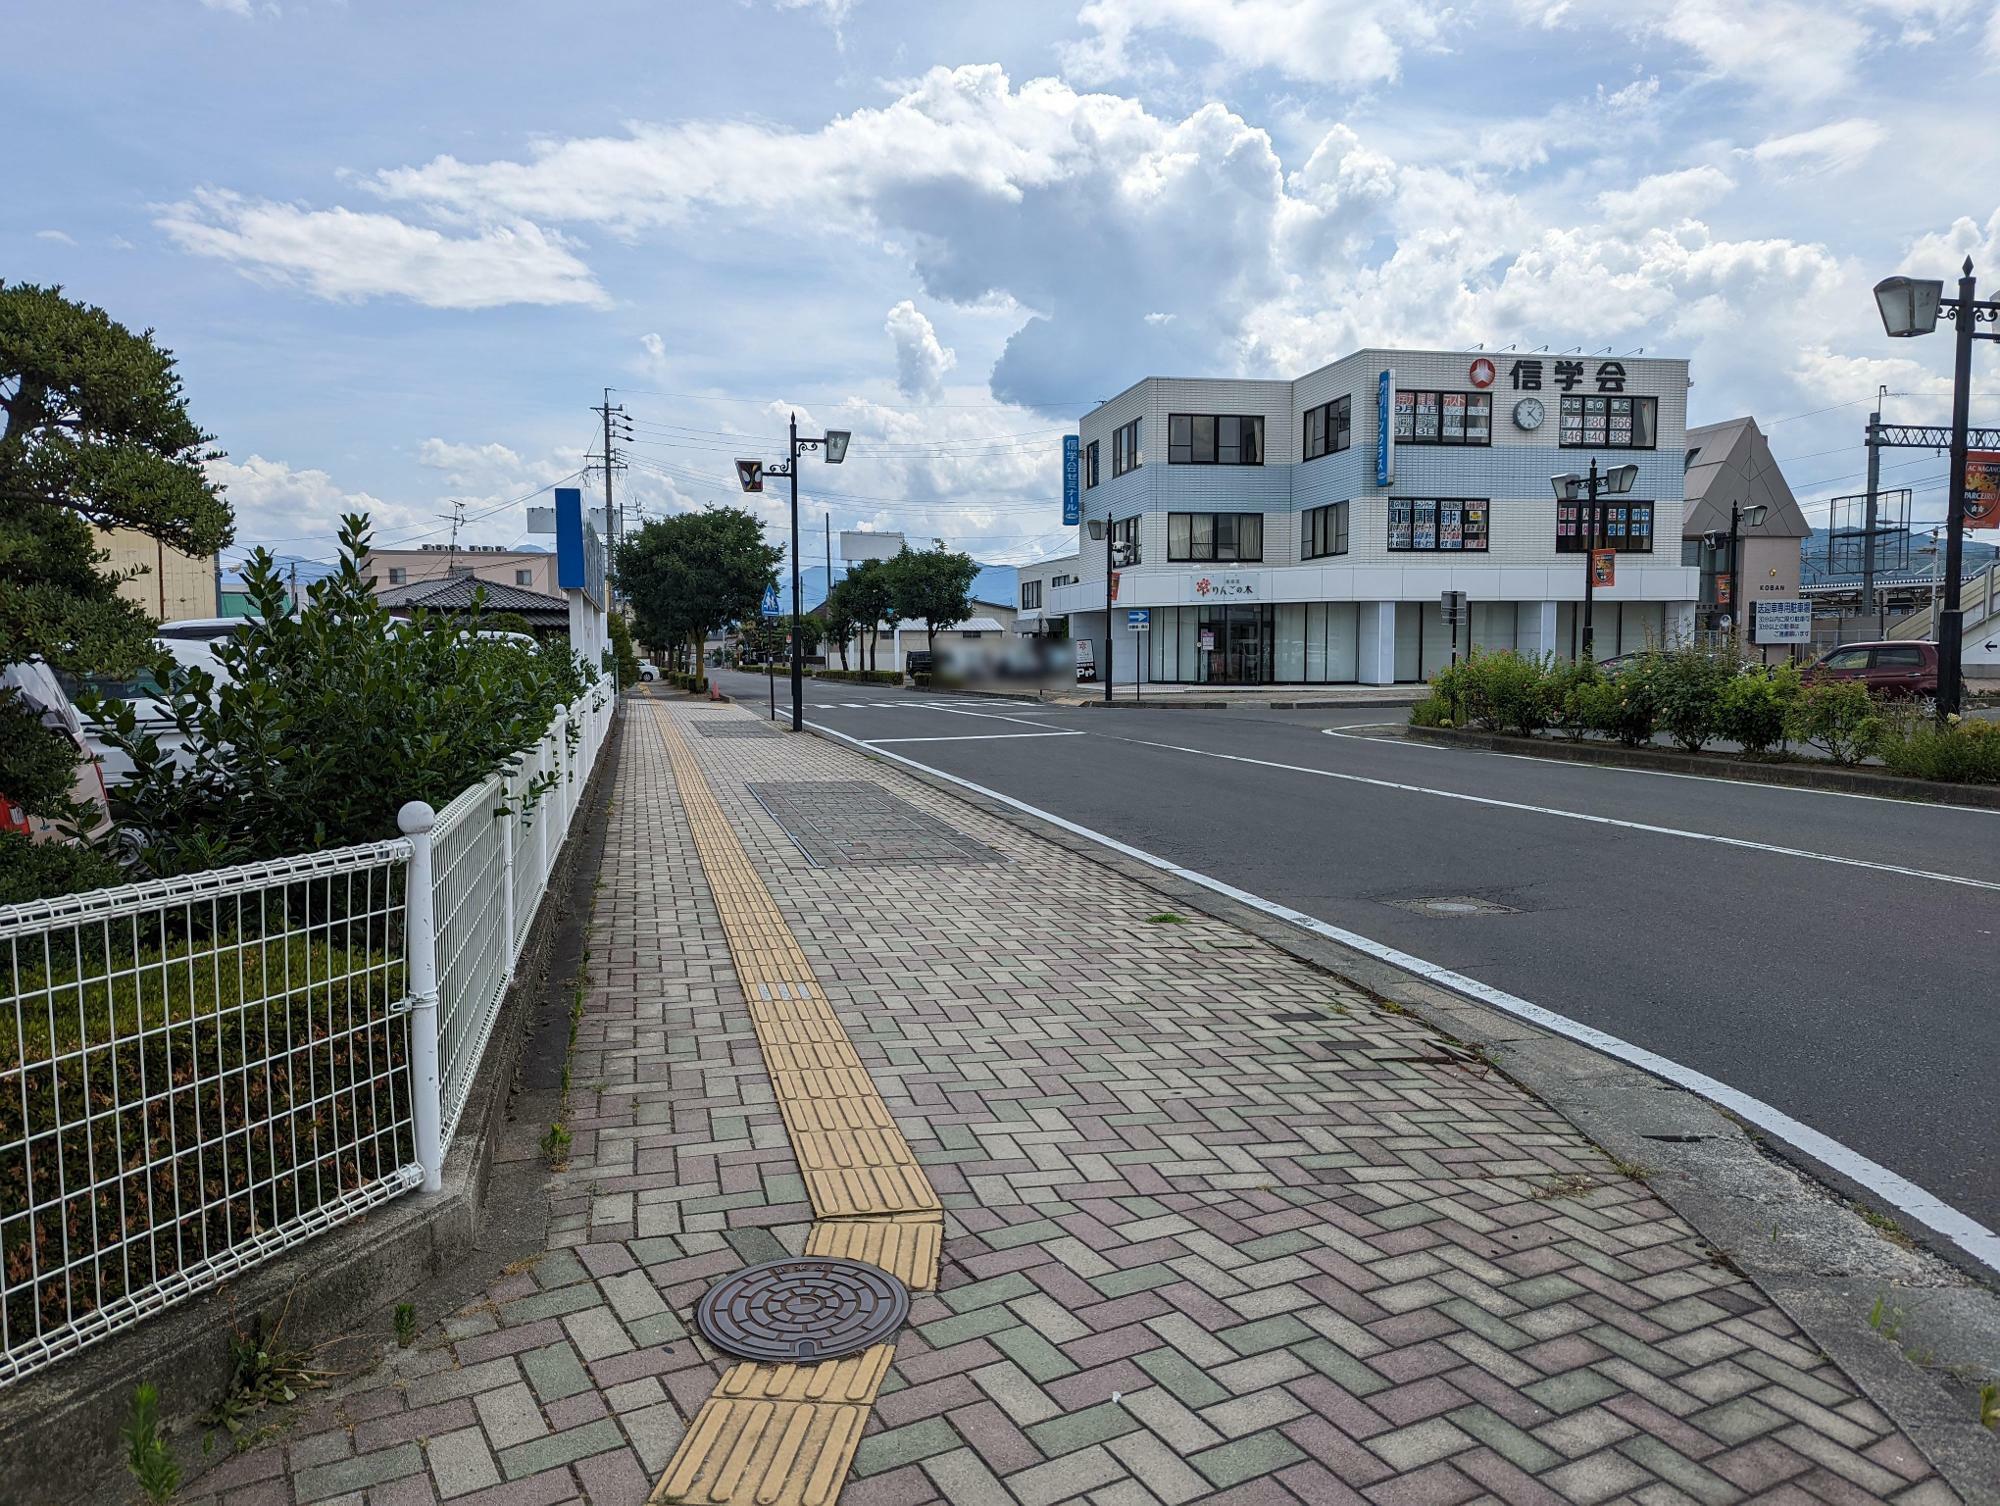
(73, 1411)
(1719, 766)
(1798, 1242)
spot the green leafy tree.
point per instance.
(695, 573)
(96, 432)
(326, 721)
(871, 595)
(934, 584)
(839, 617)
(625, 660)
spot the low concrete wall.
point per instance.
(72, 1411)
(1803, 775)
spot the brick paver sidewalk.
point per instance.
(1217, 1227)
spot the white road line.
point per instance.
(1609, 768)
(1887, 1187)
(968, 737)
(1585, 816)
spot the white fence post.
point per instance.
(562, 774)
(507, 867)
(420, 941)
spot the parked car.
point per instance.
(1907, 669)
(648, 670)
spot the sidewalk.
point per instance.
(1214, 1227)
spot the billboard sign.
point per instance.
(579, 549)
(1072, 479)
(1603, 568)
(1982, 489)
(1385, 428)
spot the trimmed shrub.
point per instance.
(1960, 752)
(1502, 692)
(861, 676)
(1838, 717)
(1687, 685)
(37, 870)
(267, 1067)
(1567, 688)
(1624, 705)
(1432, 711)
(1754, 705)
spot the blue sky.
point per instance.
(400, 249)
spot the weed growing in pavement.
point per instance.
(406, 1324)
(555, 1146)
(147, 1456)
(1632, 1171)
(263, 1372)
(1989, 1405)
(1885, 1226)
(1166, 918)
(1885, 1319)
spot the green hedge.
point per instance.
(861, 676)
(1960, 752)
(203, 1096)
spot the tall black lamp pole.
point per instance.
(751, 474)
(1911, 306)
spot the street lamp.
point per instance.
(1910, 307)
(1570, 487)
(751, 473)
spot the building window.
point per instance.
(1215, 439)
(1061, 580)
(1031, 595)
(524, 577)
(969, 632)
(1449, 525)
(398, 575)
(1325, 532)
(1196, 536)
(1688, 464)
(1328, 428)
(1444, 418)
(1125, 448)
(1624, 526)
(1090, 465)
(1610, 423)
(1125, 542)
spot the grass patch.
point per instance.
(1166, 918)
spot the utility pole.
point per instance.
(456, 517)
(1874, 487)
(617, 425)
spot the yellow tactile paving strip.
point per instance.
(784, 1435)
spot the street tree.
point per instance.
(872, 598)
(695, 573)
(840, 617)
(96, 432)
(934, 584)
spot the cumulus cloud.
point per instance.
(231, 7)
(921, 361)
(1346, 43)
(345, 256)
(290, 511)
(1833, 147)
(1666, 198)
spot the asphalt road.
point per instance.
(1829, 955)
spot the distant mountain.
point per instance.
(1897, 555)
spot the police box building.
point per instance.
(1304, 532)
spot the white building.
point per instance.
(1303, 531)
(1036, 582)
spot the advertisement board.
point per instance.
(1603, 568)
(1385, 428)
(1781, 621)
(1982, 489)
(579, 549)
(1072, 477)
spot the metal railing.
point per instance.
(201, 1072)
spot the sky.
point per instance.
(401, 250)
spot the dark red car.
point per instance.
(1887, 669)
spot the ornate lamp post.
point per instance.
(751, 474)
(1570, 487)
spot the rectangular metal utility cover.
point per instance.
(844, 823)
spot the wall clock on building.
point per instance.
(1529, 413)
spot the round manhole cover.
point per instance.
(799, 1311)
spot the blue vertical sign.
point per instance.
(1385, 428)
(579, 550)
(1072, 469)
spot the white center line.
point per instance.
(1566, 815)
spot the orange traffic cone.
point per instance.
(713, 693)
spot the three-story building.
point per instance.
(1305, 531)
